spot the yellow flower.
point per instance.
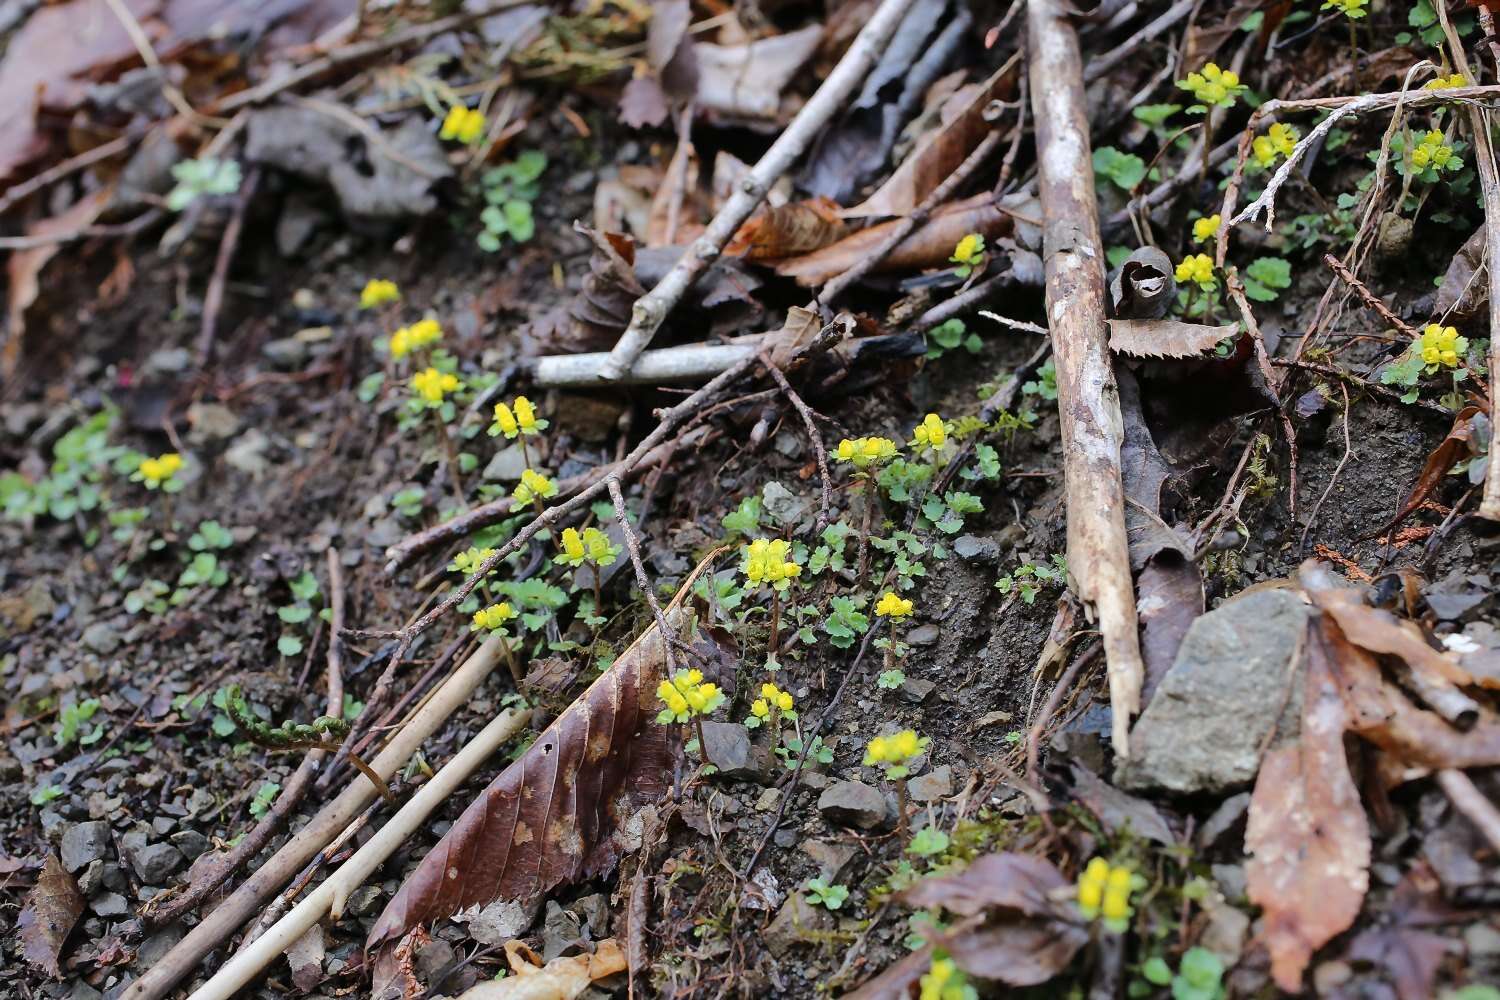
(462, 124)
(1117, 895)
(892, 606)
(1212, 85)
(1197, 268)
(1431, 151)
(1091, 884)
(931, 433)
(759, 708)
(770, 694)
(601, 551)
(969, 253)
(505, 421)
(533, 485)
(517, 418)
(1441, 346)
(432, 385)
(414, 337)
(470, 559)
(572, 546)
(866, 451)
(1278, 141)
(1352, 9)
(493, 617)
(1104, 890)
(1447, 82)
(1205, 228)
(768, 561)
(377, 292)
(944, 980)
(687, 695)
(895, 749)
(157, 471)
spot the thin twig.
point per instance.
(651, 309)
(1470, 801)
(633, 546)
(213, 300)
(825, 501)
(1366, 296)
(19, 192)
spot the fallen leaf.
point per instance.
(305, 958)
(47, 917)
(1465, 438)
(643, 103)
(1169, 598)
(595, 317)
(788, 230)
(1165, 338)
(1143, 286)
(897, 979)
(801, 326)
(1400, 946)
(1307, 833)
(554, 815)
(940, 152)
(1016, 951)
(1006, 880)
(747, 80)
(24, 270)
(929, 246)
(673, 217)
(1119, 811)
(1379, 631)
(563, 978)
(1464, 290)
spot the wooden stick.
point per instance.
(1088, 400)
(652, 308)
(330, 820)
(330, 897)
(1470, 801)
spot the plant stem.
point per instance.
(510, 658)
(864, 530)
(452, 460)
(775, 622)
(890, 651)
(901, 808)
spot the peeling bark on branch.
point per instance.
(1088, 400)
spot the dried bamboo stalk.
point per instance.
(1087, 398)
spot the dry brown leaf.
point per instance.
(801, 326)
(47, 917)
(563, 978)
(1379, 631)
(929, 246)
(24, 269)
(747, 80)
(595, 317)
(1400, 944)
(1463, 440)
(1017, 951)
(940, 152)
(1165, 338)
(1307, 833)
(555, 815)
(674, 216)
(788, 230)
(1010, 881)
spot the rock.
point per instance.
(83, 844)
(781, 503)
(83, 991)
(853, 803)
(167, 361)
(432, 958)
(502, 920)
(789, 445)
(1232, 881)
(562, 932)
(973, 548)
(1225, 692)
(248, 453)
(365, 901)
(1451, 605)
(727, 746)
(91, 878)
(102, 638)
(23, 607)
(924, 635)
(155, 863)
(191, 843)
(109, 904)
(1481, 939)
(211, 422)
(768, 800)
(915, 691)
(797, 922)
(155, 947)
(935, 784)
(286, 353)
(506, 465)
(594, 910)
(830, 857)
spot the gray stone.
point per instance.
(853, 803)
(1482, 940)
(211, 422)
(191, 843)
(83, 991)
(91, 878)
(155, 863)
(168, 361)
(727, 746)
(973, 548)
(782, 504)
(248, 453)
(287, 353)
(830, 857)
(109, 904)
(155, 947)
(924, 635)
(83, 844)
(935, 784)
(1227, 690)
(502, 920)
(506, 465)
(102, 638)
(797, 922)
(769, 797)
(915, 691)
(364, 901)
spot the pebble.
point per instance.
(932, 786)
(109, 904)
(915, 691)
(973, 548)
(797, 922)
(727, 745)
(287, 353)
(853, 803)
(924, 635)
(102, 638)
(83, 844)
(155, 863)
(191, 843)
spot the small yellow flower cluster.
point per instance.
(1431, 151)
(493, 617)
(970, 249)
(892, 606)
(377, 292)
(1278, 141)
(415, 337)
(1199, 269)
(591, 546)
(432, 385)
(896, 749)
(516, 419)
(866, 451)
(156, 471)
(463, 125)
(1352, 9)
(769, 561)
(470, 559)
(687, 695)
(1213, 85)
(533, 485)
(1447, 82)
(944, 980)
(1441, 346)
(1204, 229)
(1104, 890)
(771, 698)
(931, 433)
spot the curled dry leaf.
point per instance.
(929, 246)
(1401, 945)
(563, 978)
(788, 230)
(1467, 437)
(1007, 880)
(24, 270)
(555, 814)
(1143, 286)
(1165, 338)
(1307, 831)
(48, 915)
(1464, 291)
(596, 316)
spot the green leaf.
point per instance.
(1156, 970)
(928, 841)
(289, 645)
(1266, 276)
(305, 586)
(1125, 169)
(1201, 967)
(744, 519)
(294, 614)
(1152, 114)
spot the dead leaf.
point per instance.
(801, 326)
(554, 816)
(1465, 438)
(563, 978)
(897, 979)
(1307, 833)
(596, 316)
(1165, 338)
(1016, 951)
(643, 103)
(1400, 946)
(674, 216)
(1379, 631)
(1143, 286)
(1007, 880)
(24, 270)
(1464, 291)
(305, 957)
(1117, 810)
(1169, 598)
(940, 152)
(747, 80)
(47, 917)
(929, 246)
(788, 230)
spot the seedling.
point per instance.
(509, 191)
(928, 842)
(1199, 977)
(305, 592)
(493, 620)
(890, 680)
(593, 547)
(205, 176)
(769, 562)
(517, 420)
(950, 335)
(791, 751)
(72, 724)
(830, 897)
(845, 622)
(968, 255)
(264, 796)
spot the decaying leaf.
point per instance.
(788, 230)
(1400, 945)
(24, 270)
(595, 317)
(563, 978)
(1017, 951)
(305, 958)
(1307, 833)
(1143, 286)
(747, 80)
(47, 917)
(1464, 291)
(555, 815)
(929, 246)
(1165, 338)
(1119, 811)
(1468, 436)
(673, 217)
(801, 326)
(1020, 882)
